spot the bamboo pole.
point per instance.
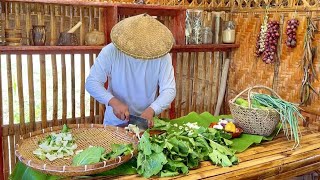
(43, 91)
(82, 28)
(54, 90)
(188, 109)
(91, 98)
(11, 117)
(195, 82)
(180, 83)
(5, 158)
(64, 88)
(10, 94)
(223, 84)
(20, 95)
(53, 33)
(82, 90)
(31, 93)
(91, 20)
(1, 123)
(73, 91)
(28, 23)
(203, 82)
(211, 67)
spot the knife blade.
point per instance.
(140, 122)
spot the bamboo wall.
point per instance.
(247, 70)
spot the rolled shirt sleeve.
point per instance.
(99, 73)
(167, 86)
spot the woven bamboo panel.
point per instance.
(247, 70)
(227, 4)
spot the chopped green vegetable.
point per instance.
(56, 146)
(65, 129)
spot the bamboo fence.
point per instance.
(197, 73)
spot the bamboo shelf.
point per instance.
(204, 47)
(97, 49)
(49, 49)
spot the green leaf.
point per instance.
(176, 166)
(118, 150)
(220, 148)
(65, 128)
(126, 168)
(166, 173)
(90, 155)
(160, 124)
(23, 172)
(144, 144)
(156, 148)
(152, 165)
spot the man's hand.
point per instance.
(120, 109)
(148, 115)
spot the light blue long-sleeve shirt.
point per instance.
(133, 81)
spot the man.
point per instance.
(135, 64)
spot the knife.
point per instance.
(140, 122)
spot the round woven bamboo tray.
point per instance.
(253, 120)
(84, 135)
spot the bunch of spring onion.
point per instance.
(289, 115)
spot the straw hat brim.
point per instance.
(142, 37)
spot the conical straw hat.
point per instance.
(142, 37)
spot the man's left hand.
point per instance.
(148, 115)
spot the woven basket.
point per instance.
(253, 120)
(84, 135)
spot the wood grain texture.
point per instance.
(43, 84)
(1, 123)
(73, 89)
(64, 88)
(31, 93)
(55, 87)
(20, 95)
(82, 89)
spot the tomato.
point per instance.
(212, 124)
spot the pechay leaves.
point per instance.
(90, 155)
(181, 149)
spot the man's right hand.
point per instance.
(120, 109)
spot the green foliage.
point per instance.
(90, 155)
(182, 148)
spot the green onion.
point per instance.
(289, 115)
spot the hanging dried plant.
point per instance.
(307, 61)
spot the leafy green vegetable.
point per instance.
(182, 148)
(90, 155)
(160, 124)
(65, 129)
(118, 150)
(23, 172)
(150, 160)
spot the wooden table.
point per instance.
(269, 160)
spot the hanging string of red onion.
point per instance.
(271, 42)
(291, 31)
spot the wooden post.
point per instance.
(1, 123)
(172, 111)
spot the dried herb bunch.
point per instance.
(307, 62)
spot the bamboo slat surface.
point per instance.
(273, 159)
(247, 70)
